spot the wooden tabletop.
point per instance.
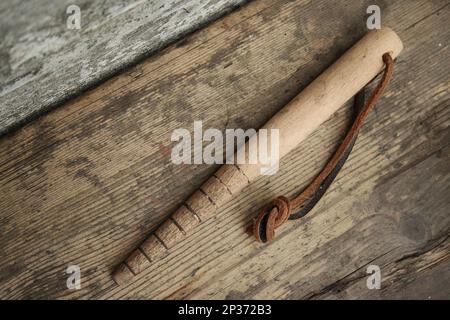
(86, 183)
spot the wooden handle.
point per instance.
(314, 105)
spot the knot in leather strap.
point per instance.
(273, 215)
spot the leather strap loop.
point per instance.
(280, 209)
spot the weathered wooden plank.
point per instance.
(43, 63)
(85, 183)
(421, 275)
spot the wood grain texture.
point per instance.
(87, 183)
(337, 85)
(43, 63)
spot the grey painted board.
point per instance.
(43, 63)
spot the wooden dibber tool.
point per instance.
(314, 105)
